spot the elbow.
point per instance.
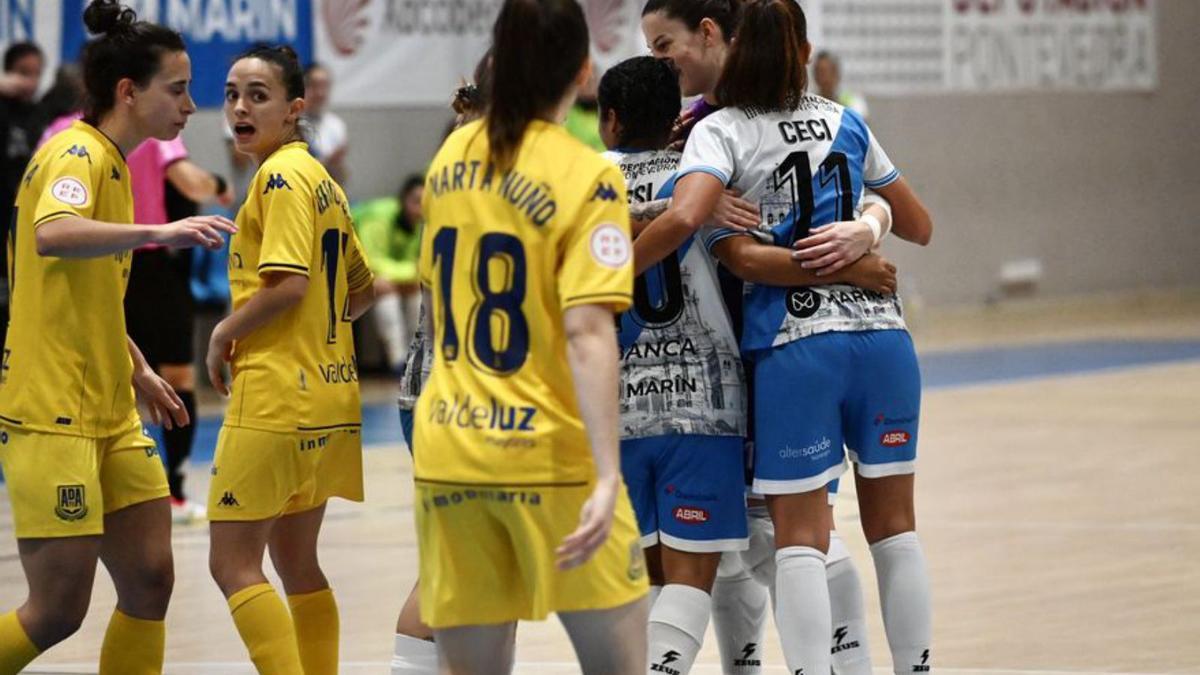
(924, 233)
(45, 242)
(690, 221)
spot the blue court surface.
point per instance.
(939, 369)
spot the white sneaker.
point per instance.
(184, 512)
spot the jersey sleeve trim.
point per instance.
(57, 215)
(618, 300)
(720, 235)
(268, 266)
(883, 182)
(712, 171)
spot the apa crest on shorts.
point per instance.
(72, 502)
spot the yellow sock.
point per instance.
(16, 650)
(132, 646)
(316, 619)
(266, 629)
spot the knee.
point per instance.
(300, 573)
(878, 529)
(230, 576)
(58, 620)
(157, 581)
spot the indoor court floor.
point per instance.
(1057, 502)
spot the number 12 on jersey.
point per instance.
(497, 330)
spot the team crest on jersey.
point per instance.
(72, 502)
(276, 181)
(610, 246)
(70, 191)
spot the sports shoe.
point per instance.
(184, 512)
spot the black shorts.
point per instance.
(159, 315)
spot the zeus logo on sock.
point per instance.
(747, 654)
(923, 666)
(841, 645)
(668, 657)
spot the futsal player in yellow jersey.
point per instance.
(291, 437)
(84, 481)
(525, 257)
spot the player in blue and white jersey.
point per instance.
(683, 392)
(834, 362)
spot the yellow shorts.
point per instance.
(265, 474)
(62, 486)
(487, 555)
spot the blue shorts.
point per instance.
(406, 427)
(687, 491)
(858, 390)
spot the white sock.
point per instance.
(414, 656)
(739, 615)
(904, 595)
(802, 609)
(677, 624)
(759, 557)
(655, 591)
(850, 652)
(390, 321)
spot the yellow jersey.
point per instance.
(297, 373)
(66, 365)
(505, 254)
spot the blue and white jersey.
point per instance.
(805, 168)
(681, 372)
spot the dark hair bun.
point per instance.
(108, 16)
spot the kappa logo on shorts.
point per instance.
(748, 659)
(691, 515)
(72, 502)
(637, 561)
(229, 501)
(894, 439)
(803, 303)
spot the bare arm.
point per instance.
(361, 301)
(695, 199)
(910, 219)
(156, 395)
(195, 183)
(770, 265)
(592, 355)
(280, 292)
(78, 237)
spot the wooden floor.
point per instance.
(1060, 516)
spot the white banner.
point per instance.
(927, 46)
(415, 52)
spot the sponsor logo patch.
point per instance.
(691, 514)
(803, 303)
(69, 191)
(610, 246)
(894, 439)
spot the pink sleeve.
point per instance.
(171, 151)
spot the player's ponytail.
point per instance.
(538, 48)
(766, 66)
(124, 48)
